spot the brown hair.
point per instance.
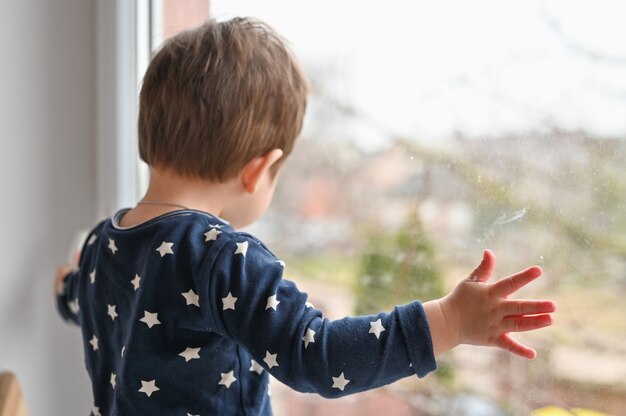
(215, 97)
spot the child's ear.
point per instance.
(257, 167)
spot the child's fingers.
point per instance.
(511, 284)
(505, 341)
(527, 307)
(484, 270)
(526, 323)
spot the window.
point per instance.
(166, 18)
(436, 130)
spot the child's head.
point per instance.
(215, 97)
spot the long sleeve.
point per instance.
(67, 297)
(254, 306)
(67, 300)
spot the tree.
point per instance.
(397, 268)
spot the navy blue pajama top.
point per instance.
(182, 315)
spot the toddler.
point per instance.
(181, 314)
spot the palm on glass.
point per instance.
(480, 313)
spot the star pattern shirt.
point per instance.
(187, 316)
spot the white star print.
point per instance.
(112, 312)
(148, 387)
(376, 328)
(340, 382)
(190, 354)
(92, 239)
(212, 234)
(270, 359)
(94, 343)
(272, 302)
(191, 298)
(229, 302)
(113, 380)
(227, 379)
(282, 263)
(215, 225)
(151, 319)
(256, 367)
(112, 245)
(242, 248)
(308, 337)
(123, 348)
(189, 414)
(309, 305)
(92, 276)
(96, 411)
(136, 281)
(165, 248)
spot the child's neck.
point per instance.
(168, 192)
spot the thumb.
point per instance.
(484, 270)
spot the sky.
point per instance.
(431, 69)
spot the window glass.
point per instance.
(435, 130)
(158, 20)
(172, 16)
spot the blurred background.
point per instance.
(434, 130)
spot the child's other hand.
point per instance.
(480, 313)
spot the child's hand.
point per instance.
(480, 313)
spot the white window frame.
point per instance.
(122, 54)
